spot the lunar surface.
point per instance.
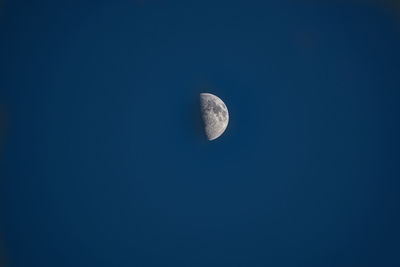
(215, 115)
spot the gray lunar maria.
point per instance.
(215, 115)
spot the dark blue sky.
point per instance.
(104, 162)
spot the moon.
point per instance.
(214, 114)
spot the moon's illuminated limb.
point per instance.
(215, 115)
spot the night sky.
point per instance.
(104, 161)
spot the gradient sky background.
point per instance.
(104, 162)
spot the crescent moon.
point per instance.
(214, 114)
